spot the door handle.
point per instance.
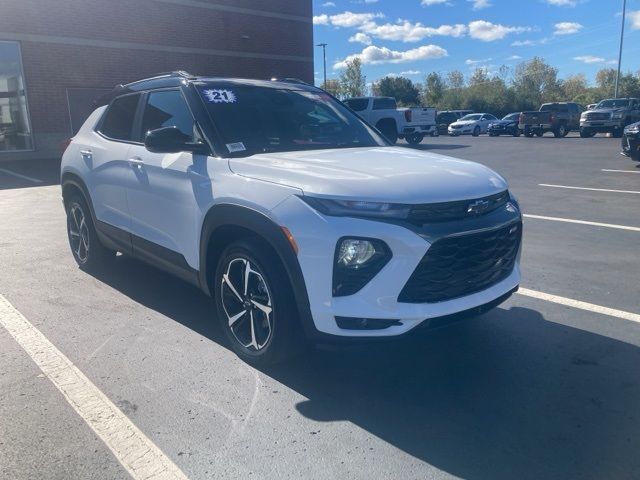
(136, 162)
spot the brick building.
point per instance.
(56, 57)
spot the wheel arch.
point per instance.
(226, 223)
(72, 183)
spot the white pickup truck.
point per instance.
(412, 124)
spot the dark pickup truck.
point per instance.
(559, 118)
(610, 116)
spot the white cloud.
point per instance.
(428, 3)
(328, 4)
(563, 3)
(321, 19)
(635, 19)
(480, 4)
(470, 61)
(405, 31)
(411, 72)
(373, 55)
(523, 43)
(351, 20)
(514, 57)
(488, 32)
(589, 59)
(360, 38)
(567, 28)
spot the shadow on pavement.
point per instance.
(29, 173)
(436, 146)
(509, 395)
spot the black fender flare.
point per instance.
(69, 178)
(230, 215)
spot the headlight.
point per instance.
(583, 116)
(635, 128)
(617, 116)
(357, 261)
(356, 208)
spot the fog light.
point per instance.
(355, 252)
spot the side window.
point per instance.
(118, 121)
(384, 104)
(357, 104)
(167, 108)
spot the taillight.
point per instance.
(521, 118)
(553, 118)
(407, 115)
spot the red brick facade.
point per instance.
(98, 44)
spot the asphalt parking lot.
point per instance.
(547, 386)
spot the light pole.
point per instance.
(624, 12)
(324, 60)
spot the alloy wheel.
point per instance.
(78, 232)
(246, 301)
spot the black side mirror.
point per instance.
(171, 140)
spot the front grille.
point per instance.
(457, 266)
(455, 127)
(447, 211)
(597, 116)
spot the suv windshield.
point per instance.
(255, 119)
(475, 116)
(613, 103)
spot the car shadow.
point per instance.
(507, 395)
(29, 173)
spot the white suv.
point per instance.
(288, 209)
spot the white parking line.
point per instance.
(590, 307)
(133, 449)
(582, 222)
(19, 175)
(620, 171)
(585, 188)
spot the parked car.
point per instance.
(610, 116)
(412, 124)
(507, 126)
(631, 141)
(472, 124)
(295, 215)
(447, 117)
(558, 117)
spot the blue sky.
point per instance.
(415, 37)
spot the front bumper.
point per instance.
(419, 129)
(602, 126)
(317, 235)
(460, 131)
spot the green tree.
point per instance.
(401, 88)
(433, 90)
(455, 79)
(333, 87)
(606, 80)
(575, 86)
(352, 81)
(536, 82)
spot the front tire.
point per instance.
(476, 132)
(516, 132)
(85, 246)
(561, 131)
(586, 133)
(254, 304)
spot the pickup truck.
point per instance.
(412, 124)
(610, 116)
(559, 118)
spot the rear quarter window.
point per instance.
(384, 104)
(118, 119)
(357, 104)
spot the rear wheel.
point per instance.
(86, 248)
(254, 304)
(539, 133)
(414, 139)
(528, 132)
(476, 131)
(389, 129)
(516, 132)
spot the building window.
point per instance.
(15, 130)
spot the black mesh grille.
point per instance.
(446, 211)
(458, 266)
(598, 116)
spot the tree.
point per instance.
(401, 88)
(455, 79)
(606, 80)
(536, 82)
(434, 87)
(575, 86)
(352, 81)
(333, 87)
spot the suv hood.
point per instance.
(608, 110)
(465, 122)
(383, 174)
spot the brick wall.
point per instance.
(127, 40)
